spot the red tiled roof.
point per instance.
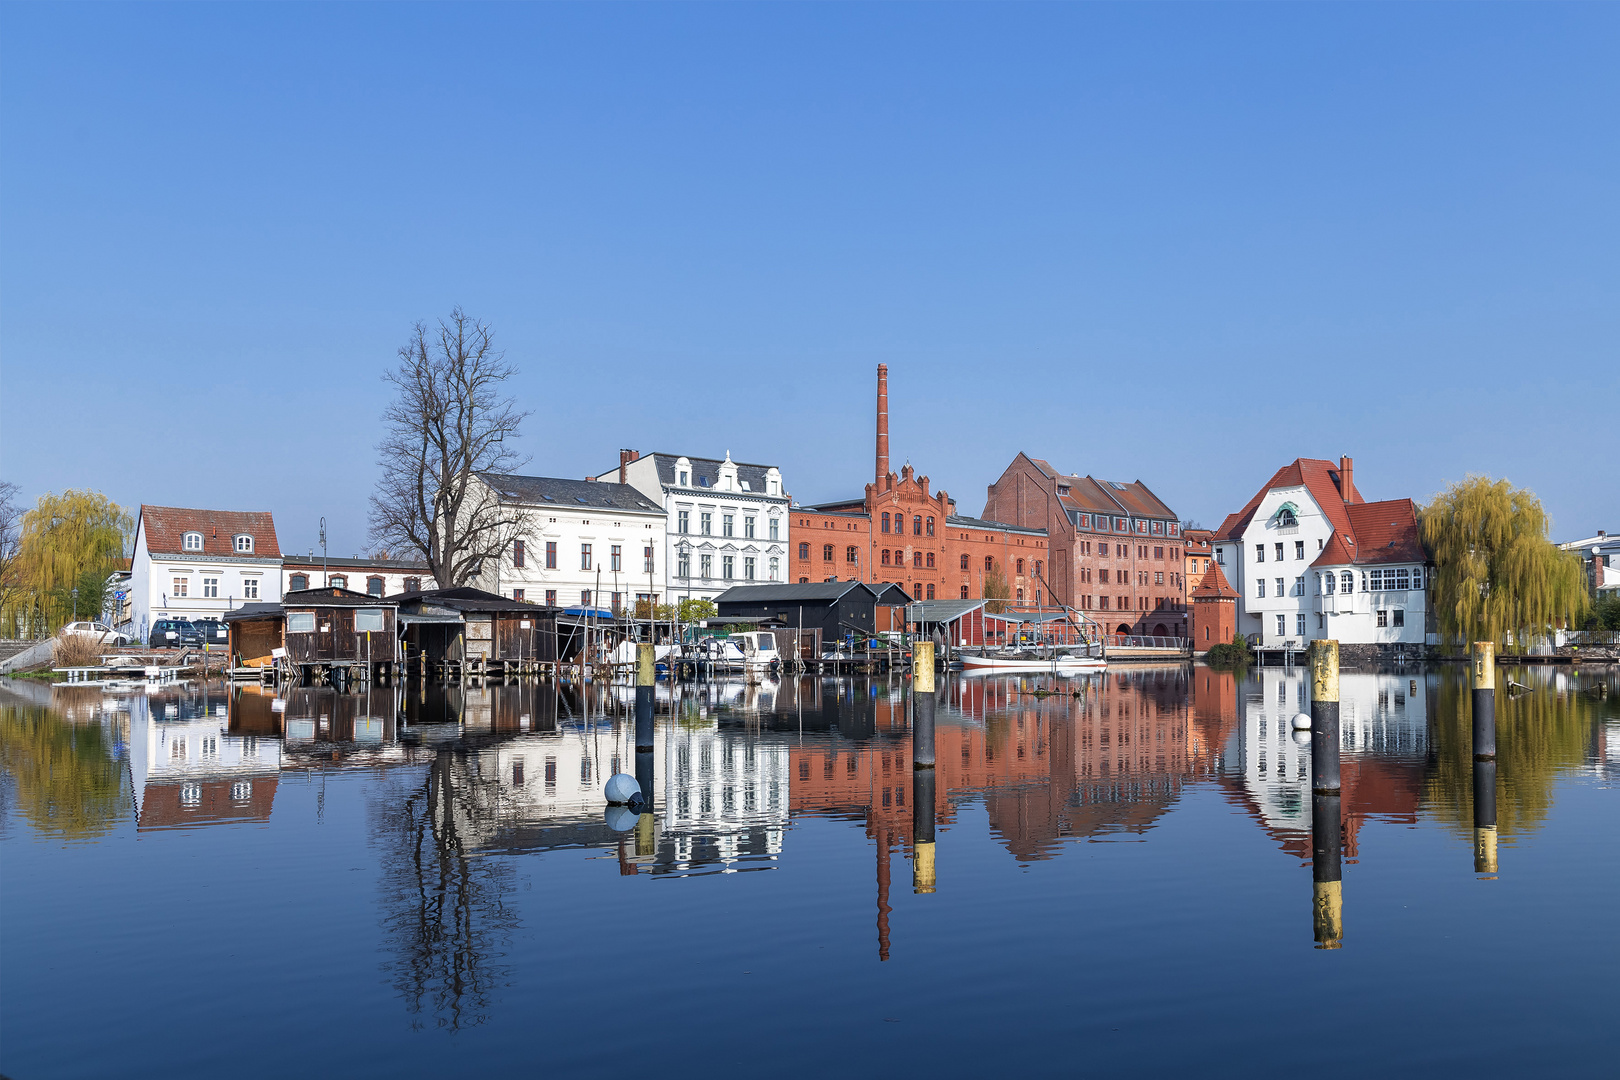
(1215, 586)
(1320, 478)
(1338, 551)
(1386, 532)
(166, 525)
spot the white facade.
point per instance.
(1285, 597)
(379, 577)
(218, 573)
(726, 522)
(582, 544)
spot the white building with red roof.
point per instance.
(199, 564)
(1310, 558)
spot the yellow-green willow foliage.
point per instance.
(1541, 734)
(74, 539)
(68, 783)
(1497, 576)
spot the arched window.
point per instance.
(964, 592)
(243, 544)
(989, 563)
(374, 586)
(851, 555)
(1347, 582)
(297, 583)
(964, 565)
(930, 564)
(1037, 568)
(774, 568)
(916, 525)
(804, 551)
(1319, 584)
(930, 592)
(413, 584)
(885, 556)
(1285, 517)
(1020, 567)
(339, 581)
(826, 553)
(916, 560)
(885, 521)
(930, 530)
(1020, 594)
(192, 541)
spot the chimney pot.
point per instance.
(1347, 484)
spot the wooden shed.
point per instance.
(470, 628)
(256, 631)
(331, 630)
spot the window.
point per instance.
(804, 581)
(1220, 556)
(1020, 595)
(1299, 549)
(297, 583)
(705, 566)
(1321, 620)
(551, 554)
(852, 554)
(211, 588)
(930, 526)
(774, 535)
(180, 587)
(517, 554)
(1347, 582)
(1299, 625)
(916, 525)
(1299, 585)
(1259, 553)
(584, 598)
(1158, 528)
(243, 543)
(584, 556)
(683, 521)
(1403, 580)
(647, 559)
(885, 556)
(989, 563)
(413, 584)
(748, 527)
(885, 521)
(916, 560)
(706, 523)
(340, 581)
(826, 553)
(1020, 564)
(775, 567)
(551, 598)
(370, 620)
(1285, 517)
(1400, 616)
(618, 602)
(1282, 625)
(1417, 580)
(930, 559)
(1260, 588)
(726, 524)
(1280, 587)
(250, 588)
(1279, 553)
(727, 565)
(930, 592)
(964, 592)
(1158, 577)
(1383, 618)
(1085, 521)
(964, 562)
(192, 541)
(374, 586)
(300, 622)
(804, 551)
(616, 558)
(683, 565)
(748, 568)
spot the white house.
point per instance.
(379, 577)
(1601, 554)
(196, 564)
(583, 543)
(727, 522)
(1310, 559)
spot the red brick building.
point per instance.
(902, 531)
(1116, 549)
(1214, 611)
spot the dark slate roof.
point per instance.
(962, 521)
(290, 561)
(332, 596)
(709, 469)
(254, 611)
(465, 598)
(775, 594)
(889, 594)
(569, 494)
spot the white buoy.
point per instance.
(621, 788)
(1302, 739)
(1302, 721)
(620, 819)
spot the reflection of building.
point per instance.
(187, 768)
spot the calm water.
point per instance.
(212, 882)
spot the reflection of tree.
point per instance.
(68, 781)
(444, 913)
(1539, 734)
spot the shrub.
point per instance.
(76, 650)
(1233, 654)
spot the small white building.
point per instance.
(726, 521)
(1601, 554)
(199, 564)
(582, 544)
(1311, 559)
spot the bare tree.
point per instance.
(11, 515)
(448, 423)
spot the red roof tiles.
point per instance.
(1215, 586)
(166, 526)
(1320, 478)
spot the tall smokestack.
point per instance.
(1347, 481)
(883, 424)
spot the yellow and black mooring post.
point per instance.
(646, 678)
(1325, 717)
(1327, 886)
(1484, 672)
(922, 766)
(1485, 816)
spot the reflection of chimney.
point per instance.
(1347, 486)
(625, 458)
(883, 888)
(883, 424)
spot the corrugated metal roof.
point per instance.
(962, 521)
(569, 494)
(942, 611)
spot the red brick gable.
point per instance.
(166, 526)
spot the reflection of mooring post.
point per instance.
(1327, 896)
(1325, 717)
(646, 676)
(1485, 816)
(1484, 701)
(922, 767)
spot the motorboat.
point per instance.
(1031, 660)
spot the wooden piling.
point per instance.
(1327, 886)
(1485, 816)
(1484, 671)
(1325, 717)
(922, 705)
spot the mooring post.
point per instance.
(1327, 892)
(1485, 816)
(1325, 717)
(646, 678)
(1484, 700)
(922, 829)
(922, 705)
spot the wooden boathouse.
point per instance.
(332, 632)
(467, 631)
(821, 613)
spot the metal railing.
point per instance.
(1146, 641)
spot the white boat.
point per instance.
(1062, 663)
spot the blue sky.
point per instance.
(1181, 244)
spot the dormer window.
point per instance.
(192, 541)
(684, 482)
(243, 544)
(1285, 518)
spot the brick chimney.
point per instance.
(883, 423)
(625, 458)
(1347, 486)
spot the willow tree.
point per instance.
(1497, 576)
(70, 541)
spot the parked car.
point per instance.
(173, 634)
(213, 632)
(99, 632)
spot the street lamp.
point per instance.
(75, 603)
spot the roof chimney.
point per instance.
(883, 423)
(625, 458)
(1347, 486)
